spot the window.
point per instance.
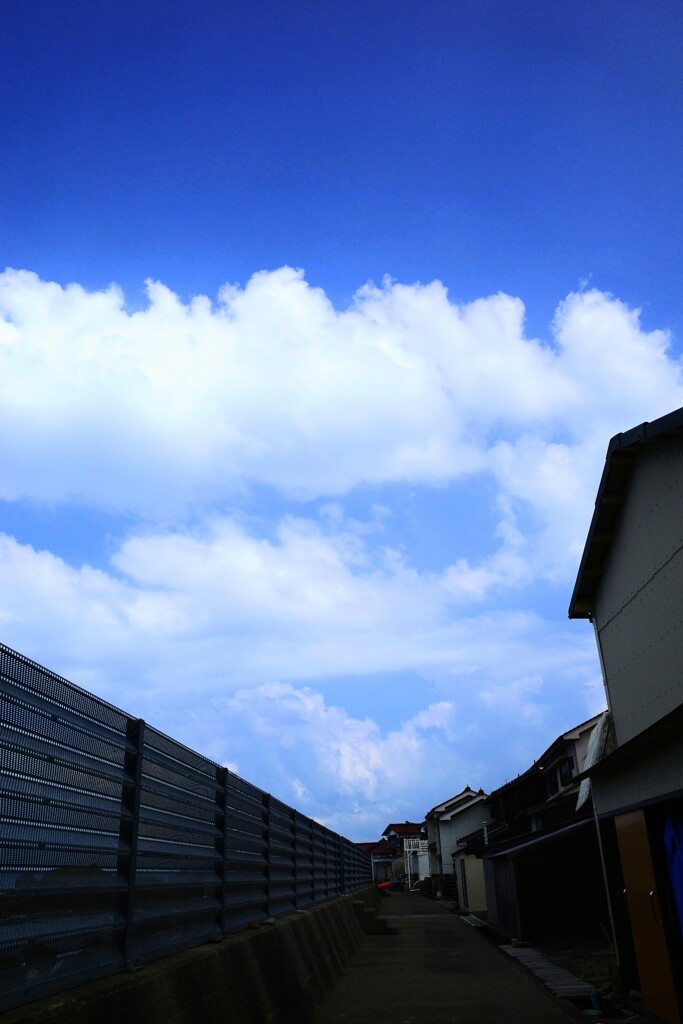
(566, 771)
(560, 775)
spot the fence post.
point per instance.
(297, 887)
(266, 818)
(341, 874)
(129, 828)
(220, 843)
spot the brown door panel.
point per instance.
(644, 907)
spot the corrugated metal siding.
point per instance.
(652, 775)
(639, 609)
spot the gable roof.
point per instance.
(547, 756)
(621, 454)
(466, 796)
(381, 848)
(403, 828)
(572, 734)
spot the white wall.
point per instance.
(449, 829)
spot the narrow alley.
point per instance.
(435, 970)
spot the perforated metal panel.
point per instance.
(62, 756)
(120, 846)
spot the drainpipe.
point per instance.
(604, 879)
(594, 622)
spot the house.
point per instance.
(458, 874)
(388, 855)
(382, 855)
(540, 851)
(630, 586)
(396, 833)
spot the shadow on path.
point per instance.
(436, 970)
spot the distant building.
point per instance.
(388, 855)
(540, 852)
(397, 832)
(458, 875)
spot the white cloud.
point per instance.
(180, 404)
(197, 618)
(306, 605)
(353, 755)
(174, 412)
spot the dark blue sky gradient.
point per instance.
(498, 146)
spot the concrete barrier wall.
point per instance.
(275, 973)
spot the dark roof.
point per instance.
(621, 453)
(403, 828)
(380, 848)
(538, 764)
(513, 782)
(562, 739)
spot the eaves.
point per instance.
(621, 454)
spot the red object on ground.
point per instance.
(384, 885)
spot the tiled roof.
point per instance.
(382, 848)
(404, 828)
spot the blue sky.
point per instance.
(317, 320)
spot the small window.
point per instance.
(566, 771)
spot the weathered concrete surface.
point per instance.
(436, 970)
(272, 975)
(560, 982)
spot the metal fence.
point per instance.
(120, 846)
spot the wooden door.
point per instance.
(645, 911)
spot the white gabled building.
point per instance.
(459, 876)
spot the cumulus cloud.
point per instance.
(308, 605)
(344, 754)
(172, 413)
(179, 404)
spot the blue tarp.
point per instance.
(673, 842)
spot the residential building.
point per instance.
(630, 586)
(458, 874)
(382, 855)
(388, 855)
(540, 851)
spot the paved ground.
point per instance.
(437, 970)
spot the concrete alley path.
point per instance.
(437, 970)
